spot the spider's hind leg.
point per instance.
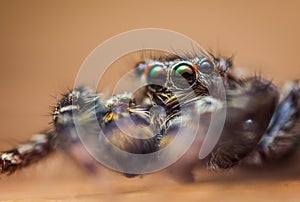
(283, 133)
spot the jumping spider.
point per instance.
(260, 126)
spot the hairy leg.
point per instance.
(283, 133)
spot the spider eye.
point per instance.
(249, 125)
(157, 75)
(140, 68)
(206, 67)
(183, 75)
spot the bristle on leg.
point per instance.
(39, 146)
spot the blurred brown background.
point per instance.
(43, 44)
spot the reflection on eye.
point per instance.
(183, 75)
(206, 67)
(157, 75)
(248, 125)
(140, 68)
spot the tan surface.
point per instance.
(43, 43)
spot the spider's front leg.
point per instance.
(114, 128)
(62, 135)
(82, 114)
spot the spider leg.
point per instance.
(40, 146)
(83, 114)
(43, 144)
(118, 123)
(249, 108)
(283, 133)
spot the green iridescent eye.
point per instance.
(157, 75)
(183, 75)
(206, 67)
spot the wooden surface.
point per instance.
(43, 44)
(56, 179)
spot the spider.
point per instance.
(261, 126)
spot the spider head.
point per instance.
(180, 75)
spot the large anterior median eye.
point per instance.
(183, 75)
(156, 75)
